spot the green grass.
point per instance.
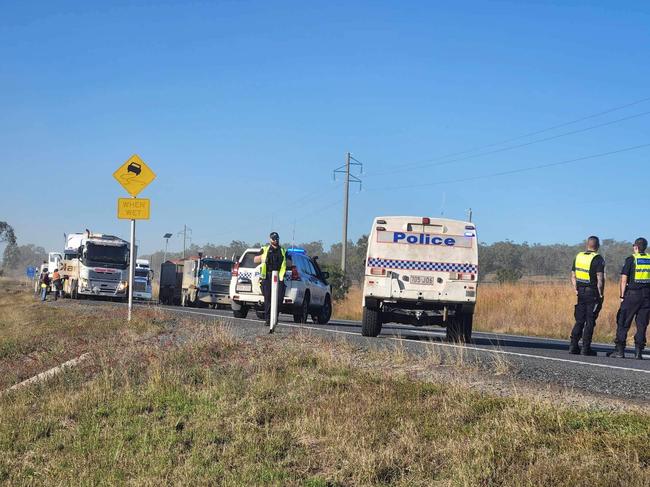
(214, 411)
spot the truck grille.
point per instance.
(140, 287)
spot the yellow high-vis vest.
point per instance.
(583, 265)
(641, 268)
(283, 266)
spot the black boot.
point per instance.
(587, 350)
(619, 352)
(638, 352)
(574, 349)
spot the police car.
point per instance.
(307, 291)
(421, 271)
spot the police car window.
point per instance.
(247, 260)
(310, 268)
(300, 263)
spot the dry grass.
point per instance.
(184, 403)
(522, 308)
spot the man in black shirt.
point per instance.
(273, 258)
(588, 279)
(635, 300)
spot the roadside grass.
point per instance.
(192, 405)
(544, 309)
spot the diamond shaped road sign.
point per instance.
(134, 175)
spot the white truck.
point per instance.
(421, 271)
(54, 260)
(95, 264)
(142, 280)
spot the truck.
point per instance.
(206, 281)
(142, 280)
(171, 282)
(421, 271)
(95, 264)
(54, 260)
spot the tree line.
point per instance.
(504, 261)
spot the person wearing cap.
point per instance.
(273, 258)
(635, 300)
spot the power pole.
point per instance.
(345, 170)
(469, 214)
(184, 233)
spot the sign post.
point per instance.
(134, 175)
(273, 320)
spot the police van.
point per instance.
(421, 271)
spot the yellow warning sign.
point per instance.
(134, 175)
(133, 208)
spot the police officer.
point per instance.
(588, 279)
(273, 258)
(635, 300)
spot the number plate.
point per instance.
(426, 280)
(244, 288)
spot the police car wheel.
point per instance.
(301, 314)
(371, 322)
(260, 315)
(324, 314)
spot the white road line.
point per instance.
(450, 345)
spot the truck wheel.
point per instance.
(74, 294)
(371, 322)
(325, 313)
(242, 312)
(300, 315)
(260, 315)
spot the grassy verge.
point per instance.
(185, 403)
(544, 309)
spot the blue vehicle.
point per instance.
(206, 281)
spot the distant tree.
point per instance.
(340, 283)
(11, 254)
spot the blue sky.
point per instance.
(243, 109)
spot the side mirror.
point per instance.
(326, 275)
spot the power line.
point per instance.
(513, 171)
(518, 146)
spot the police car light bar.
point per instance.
(297, 251)
(426, 221)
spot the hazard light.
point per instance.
(426, 221)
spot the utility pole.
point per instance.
(469, 214)
(184, 233)
(345, 170)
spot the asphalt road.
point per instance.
(534, 359)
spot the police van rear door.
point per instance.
(425, 258)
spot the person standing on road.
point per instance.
(44, 281)
(273, 258)
(635, 300)
(588, 279)
(57, 284)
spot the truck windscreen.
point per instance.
(142, 272)
(220, 265)
(109, 255)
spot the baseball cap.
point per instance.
(274, 236)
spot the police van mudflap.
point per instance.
(421, 271)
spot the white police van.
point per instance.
(421, 271)
(307, 291)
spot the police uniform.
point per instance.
(273, 259)
(636, 302)
(586, 266)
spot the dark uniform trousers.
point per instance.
(586, 313)
(266, 290)
(636, 303)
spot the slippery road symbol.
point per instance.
(135, 168)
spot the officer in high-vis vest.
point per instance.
(635, 300)
(273, 258)
(588, 279)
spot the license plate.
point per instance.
(244, 288)
(425, 280)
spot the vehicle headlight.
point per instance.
(84, 282)
(122, 286)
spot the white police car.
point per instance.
(307, 291)
(421, 271)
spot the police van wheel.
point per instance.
(260, 315)
(459, 328)
(242, 312)
(468, 320)
(371, 322)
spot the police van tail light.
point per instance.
(294, 273)
(235, 269)
(461, 276)
(378, 271)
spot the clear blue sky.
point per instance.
(243, 109)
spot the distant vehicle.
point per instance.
(142, 280)
(95, 264)
(205, 281)
(171, 282)
(307, 290)
(421, 271)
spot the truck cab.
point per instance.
(421, 271)
(142, 280)
(206, 281)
